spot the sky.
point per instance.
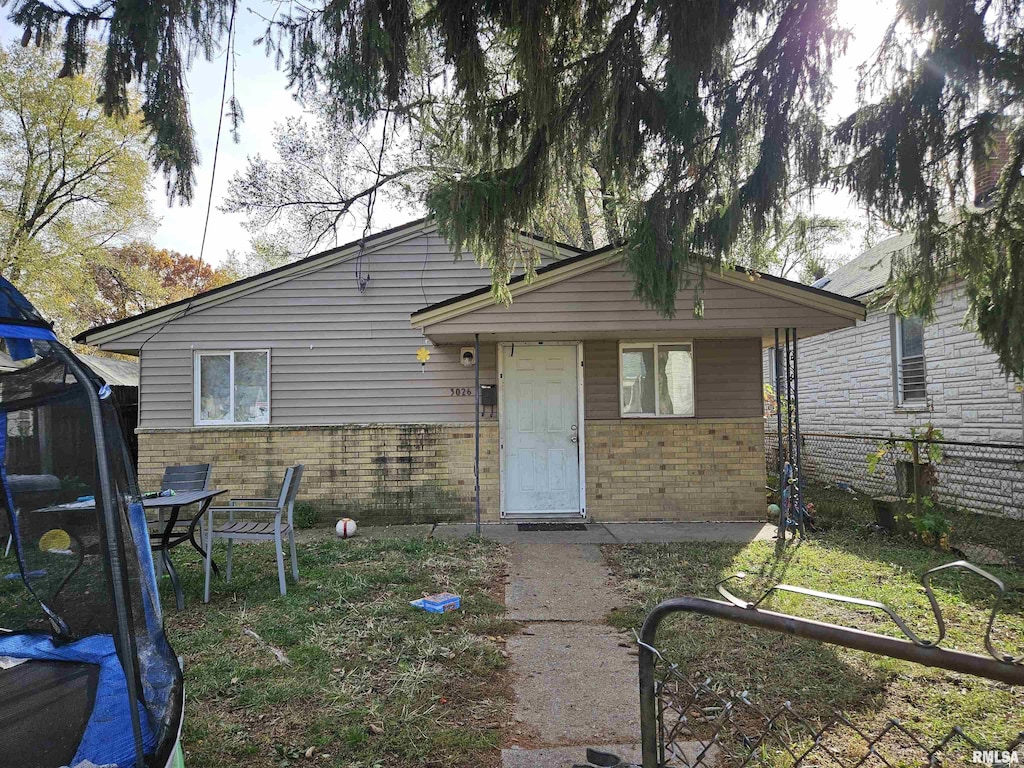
(265, 100)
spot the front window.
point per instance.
(910, 371)
(655, 379)
(232, 387)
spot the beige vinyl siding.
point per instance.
(727, 378)
(362, 366)
(602, 301)
(601, 379)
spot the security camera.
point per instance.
(468, 356)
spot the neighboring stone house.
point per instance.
(888, 375)
(591, 405)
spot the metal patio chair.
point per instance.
(180, 478)
(282, 508)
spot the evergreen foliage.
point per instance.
(947, 91)
(148, 43)
(698, 122)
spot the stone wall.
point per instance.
(637, 469)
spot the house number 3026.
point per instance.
(461, 392)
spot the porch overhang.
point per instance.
(591, 297)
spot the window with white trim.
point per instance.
(655, 379)
(232, 387)
(909, 375)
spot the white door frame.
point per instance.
(581, 445)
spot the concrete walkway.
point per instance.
(574, 677)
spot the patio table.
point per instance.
(168, 539)
(163, 541)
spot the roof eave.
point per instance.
(842, 306)
(112, 332)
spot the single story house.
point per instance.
(592, 405)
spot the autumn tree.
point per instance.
(72, 179)
(139, 276)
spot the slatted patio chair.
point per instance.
(281, 507)
(190, 477)
(180, 478)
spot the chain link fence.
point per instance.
(947, 492)
(704, 724)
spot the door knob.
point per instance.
(573, 439)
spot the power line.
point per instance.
(228, 57)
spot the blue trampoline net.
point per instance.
(86, 672)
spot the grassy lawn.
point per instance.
(369, 680)
(818, 678)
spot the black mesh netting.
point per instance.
(81, 636)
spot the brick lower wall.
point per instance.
(685, 469)
(388, 473)
(636, 469)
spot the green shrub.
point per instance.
(305, 515)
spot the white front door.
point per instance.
(541, 430)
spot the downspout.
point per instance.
(476, 416)
(781, 535)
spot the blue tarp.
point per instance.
(108, 738)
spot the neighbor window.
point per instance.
(908, 360)
(232, 387)
(656, 379)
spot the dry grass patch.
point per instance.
(817, 678)
(368, 681)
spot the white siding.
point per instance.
(846, 381)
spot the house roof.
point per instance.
(869, 271)
(116, 372)
(174, 310)
(586, 262)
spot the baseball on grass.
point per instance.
(346, 528)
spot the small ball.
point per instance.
(773, 511)
(346, 528)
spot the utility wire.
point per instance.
(228, 58)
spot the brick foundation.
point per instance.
(388, 473)
(636, 469)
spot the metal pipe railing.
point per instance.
(1001, 668)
